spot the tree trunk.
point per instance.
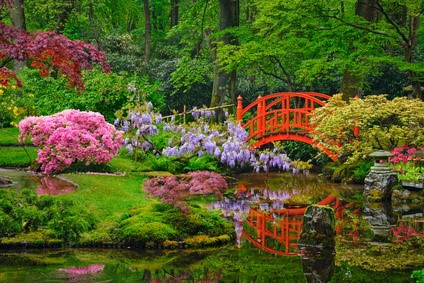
(17, 15)
(94, 28)
(351, 84)
(367, 10)
(411, 45)
(148, 32)
(224, 83)
(349, 87)
(174, 13)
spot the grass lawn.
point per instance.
(9, 137)
(17, 156)
(107, 196)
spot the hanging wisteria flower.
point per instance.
(225, 142)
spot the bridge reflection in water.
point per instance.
(269, 221)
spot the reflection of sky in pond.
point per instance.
(40, 184)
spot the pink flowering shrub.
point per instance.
(71, 136)
(408, 163)
(174, 190)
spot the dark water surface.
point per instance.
(258, 256)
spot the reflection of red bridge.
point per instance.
(282, 116)
(280, 236)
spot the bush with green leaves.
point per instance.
(418, 275)
(382, 123)
(104, 93)
(25, 212)
(158, 222)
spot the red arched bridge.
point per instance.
(280, 235)
(282, 116)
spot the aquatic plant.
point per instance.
(71, 136)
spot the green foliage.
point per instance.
(67, 222)
(163, 163)
(383, 124)
(418, 275)
(27, 212)
(104, 93)
(362, 170)
(159, 222)
(205, 162)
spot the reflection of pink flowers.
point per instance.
(403, 232)
(70, 136)
(54, 186)
(82, 270)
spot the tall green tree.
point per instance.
(224, 82)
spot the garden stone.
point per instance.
(317, 243)
(319, 227)
(4, 182)
(380, 217)
(378, 186)
(318, 264)
(407, 196)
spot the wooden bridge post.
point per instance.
(261, 116)
(239, 108)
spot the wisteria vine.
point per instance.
(226, 142)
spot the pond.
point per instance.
(259, 255)
(41, 184)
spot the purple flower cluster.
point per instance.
(202, 113)
(140, 124)
(226, 142)
(70, 136)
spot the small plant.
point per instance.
(418, 275)
(25, 212)
(403, 232)
(408, 163)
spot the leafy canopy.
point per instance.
(47, 51)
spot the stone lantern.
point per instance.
(381, 164)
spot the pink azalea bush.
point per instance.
(70, 136)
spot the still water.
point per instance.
(41, 184)
(261, 253)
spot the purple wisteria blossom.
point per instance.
(225, 142)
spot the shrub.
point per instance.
(159, 222)
(70, 136)
(68, 223)
(27, 212)
(383, 124)
(175, 190)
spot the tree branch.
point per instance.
(391, 22)
(4, 63)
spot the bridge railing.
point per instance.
(274, 113)
(265, 230)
